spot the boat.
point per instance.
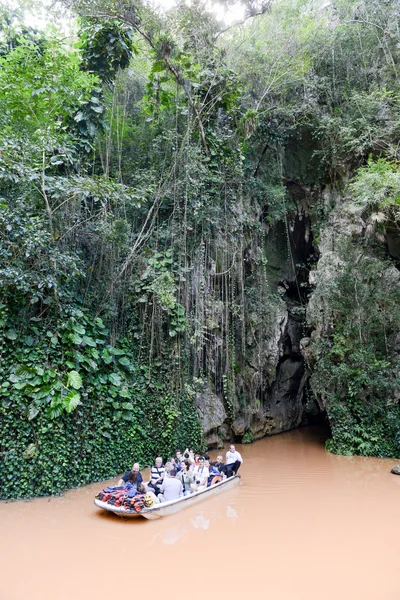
(172, 506)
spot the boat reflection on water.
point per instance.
(204, 520)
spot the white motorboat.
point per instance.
(173, 506)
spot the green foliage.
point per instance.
(42, 87)
(13, 32)
(248, 437)
(377, 186)
(106, 47)
(158, 282)
(34, 270)
(356, 361)
(75, 409)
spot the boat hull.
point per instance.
(173, 506)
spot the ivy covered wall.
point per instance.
(76, 409)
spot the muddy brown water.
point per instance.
(303, 525)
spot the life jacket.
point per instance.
(148, 500)
(138, 503)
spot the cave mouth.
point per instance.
(318, 419)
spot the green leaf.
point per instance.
(116, 351)
(124, 361)
(76, 339)
(158, 66)
(78, 328)
(11, 334)
(115, 379)
(89, 341)
(107, 358)
(32, 412)
(74, 380)
(20, 385)
(30, 451)
(71, 401)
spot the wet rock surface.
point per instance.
(268, 394)
(210, 409)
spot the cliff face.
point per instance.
(270, 383)
(352, 352)
(330, 340)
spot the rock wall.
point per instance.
(272, 379)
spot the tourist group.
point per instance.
(180, 476)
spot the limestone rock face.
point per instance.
(210, 409)
(240, 424)
(214, 441)
(283, 405)
(319, 311)
(266, 395)
(225, 433)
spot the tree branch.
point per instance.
(255, 13)
(384, 31)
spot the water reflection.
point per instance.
(200, 522)
(170, 535)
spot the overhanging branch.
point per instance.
(253, 13)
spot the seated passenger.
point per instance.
(190, 453)
(168, 467)
(233, 461)
(150, 497)
(157, 475)
(186, 477)
(195, 462)
(173, 463)
(131, 486)
(215, 476)
(219, 464)
(179, 458)
(171, 488)
(125, 477)
(201, 474)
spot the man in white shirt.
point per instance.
(233, 461)
(171, 488)
(200, 474)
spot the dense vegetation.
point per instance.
(143, 168)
